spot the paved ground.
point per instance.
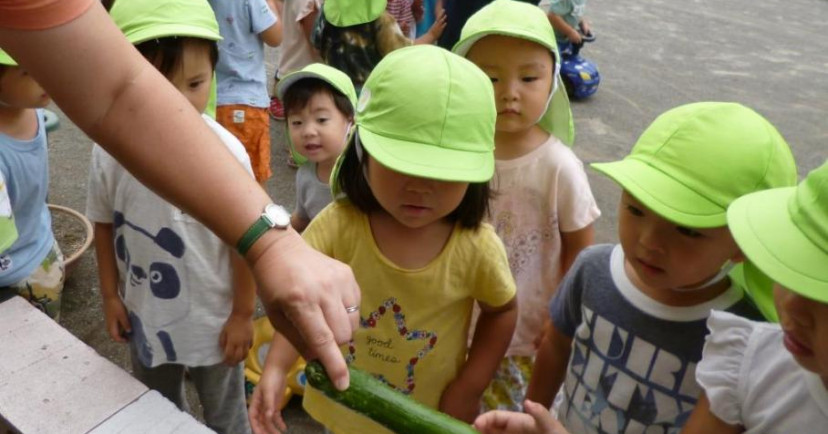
(653, 55)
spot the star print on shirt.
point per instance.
(409, 335)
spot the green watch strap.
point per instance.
(256, 230)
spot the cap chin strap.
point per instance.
(728, 266)
(551, 92)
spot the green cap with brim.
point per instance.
(441, 128)
(346, 13)
(524, 21)
(784, 233)
(5, 59)
(693, 161)
(143, 20)
(336, 78)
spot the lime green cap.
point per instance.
(694, 160)
(524, 21)
(441, 128)
(336, 78)
(5, 59)
(142, 20)
(346, 13)
(784, 232)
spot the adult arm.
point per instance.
(121, 101)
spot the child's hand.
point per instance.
(574, 36)
(537, 421)
(236, 338)
(436, 29)
(460, 401)
(263, 412)
(584, 25)
(116, 319)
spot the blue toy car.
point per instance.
(580, 75)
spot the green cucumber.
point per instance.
(384, 405)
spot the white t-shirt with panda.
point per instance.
(174, 274)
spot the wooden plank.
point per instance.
(51, 382)
(151, 413)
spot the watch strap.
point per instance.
(256, 230)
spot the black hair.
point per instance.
(107, 4)
(351, 180)
(3, 69)
(167, 53)
(300, 93)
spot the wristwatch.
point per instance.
(273, 217)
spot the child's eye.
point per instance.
(196, 84)
(494, 79)
(295, 123)
(529, 79)
(687, 232)
(635, 211)
(322, 120)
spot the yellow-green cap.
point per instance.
(694, 160)
(143, 20)
(524, 21)
(346, 13)
(5, 59)
(336, 78)
(784, 233)
(441, 128)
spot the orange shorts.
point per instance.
(251, 125)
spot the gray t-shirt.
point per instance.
(312, 195)
(633, 360)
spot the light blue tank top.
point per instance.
(25, 165)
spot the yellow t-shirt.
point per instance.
(413, 323)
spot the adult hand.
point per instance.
(305, 294)
(536, 420)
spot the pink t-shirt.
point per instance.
(296, 50)
(538, 196)
(39, 14)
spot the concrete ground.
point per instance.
(653, 55)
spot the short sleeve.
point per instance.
(565, 307)
(304, 8)
(576, 205)
(495, 285)
(99, 205)
(322, 232)
(261, 17)
(721, 366)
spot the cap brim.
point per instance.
(761, 224)
(5, 59)
(290, 79)
(427, 161)
(167, 30)
(664, 195)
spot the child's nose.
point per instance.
(650, 237)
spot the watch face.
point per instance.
(278, 215)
